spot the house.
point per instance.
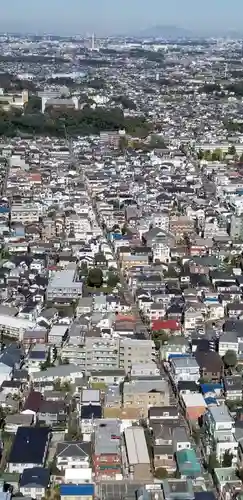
(52, 412)
(220, 429)
(77, 491)
(85, 306)
(227, 476)
(178, 489)
(34, 482)
(32, 404)
(188, 464)
(235, 309)
(163, 415)
(160, 242)
(73, 455)
(29, 449)
(64, 373)
(107, 453)
(164, 457)
(194, 315)
(78, 475)
(57, 334)
(194, 406)
(228, 341)
(108, 376)
(174, 345)
(233, 387)
(184, 368)
(35, 336)
(13, 422)
(180, 439)
(169, 326)
(88, 413)
(210, 364)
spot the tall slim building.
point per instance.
(236, 227)
(93, 42)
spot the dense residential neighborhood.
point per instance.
(121, 269)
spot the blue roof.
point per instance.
(210, 400)
(29, 445)
(36, 476)
(91, 411)
(210, 387)
(117, 236)
(86, 489)
(204, 495)
(178, 355)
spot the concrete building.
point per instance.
(64, 285)
(236, 228)
(142, 394)
(138, 461)
(30, 212)
(100, 353)
(107, 453)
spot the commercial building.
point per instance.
(138, 461)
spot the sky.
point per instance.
(106, 17)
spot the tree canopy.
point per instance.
(161, 473)
(95, 277)
(230, 358)
(55, 122)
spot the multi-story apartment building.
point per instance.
(77, 224)
(236, 227)
(99, 353)
(30, 212)
(180, 225)
(134, 351)
(64, 285)
(143, 394)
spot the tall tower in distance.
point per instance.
(93, 42)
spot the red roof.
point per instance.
(124, 317)
(35, 177)
(33, 401)
(165, 324)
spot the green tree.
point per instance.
(208, 155)
(227, 459)
(200, 155)
(232, 150)
(217, 155)
(230, 358)
(112, 280)
(160, 338)
(161, 473)
(239, 368)
(95, 277)
(213, 462)
(83, 271)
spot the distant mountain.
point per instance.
(167, 32)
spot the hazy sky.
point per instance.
(118, 16)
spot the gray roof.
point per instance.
(143, 386)
(74, 449)
(104, 441)
(56, 372)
